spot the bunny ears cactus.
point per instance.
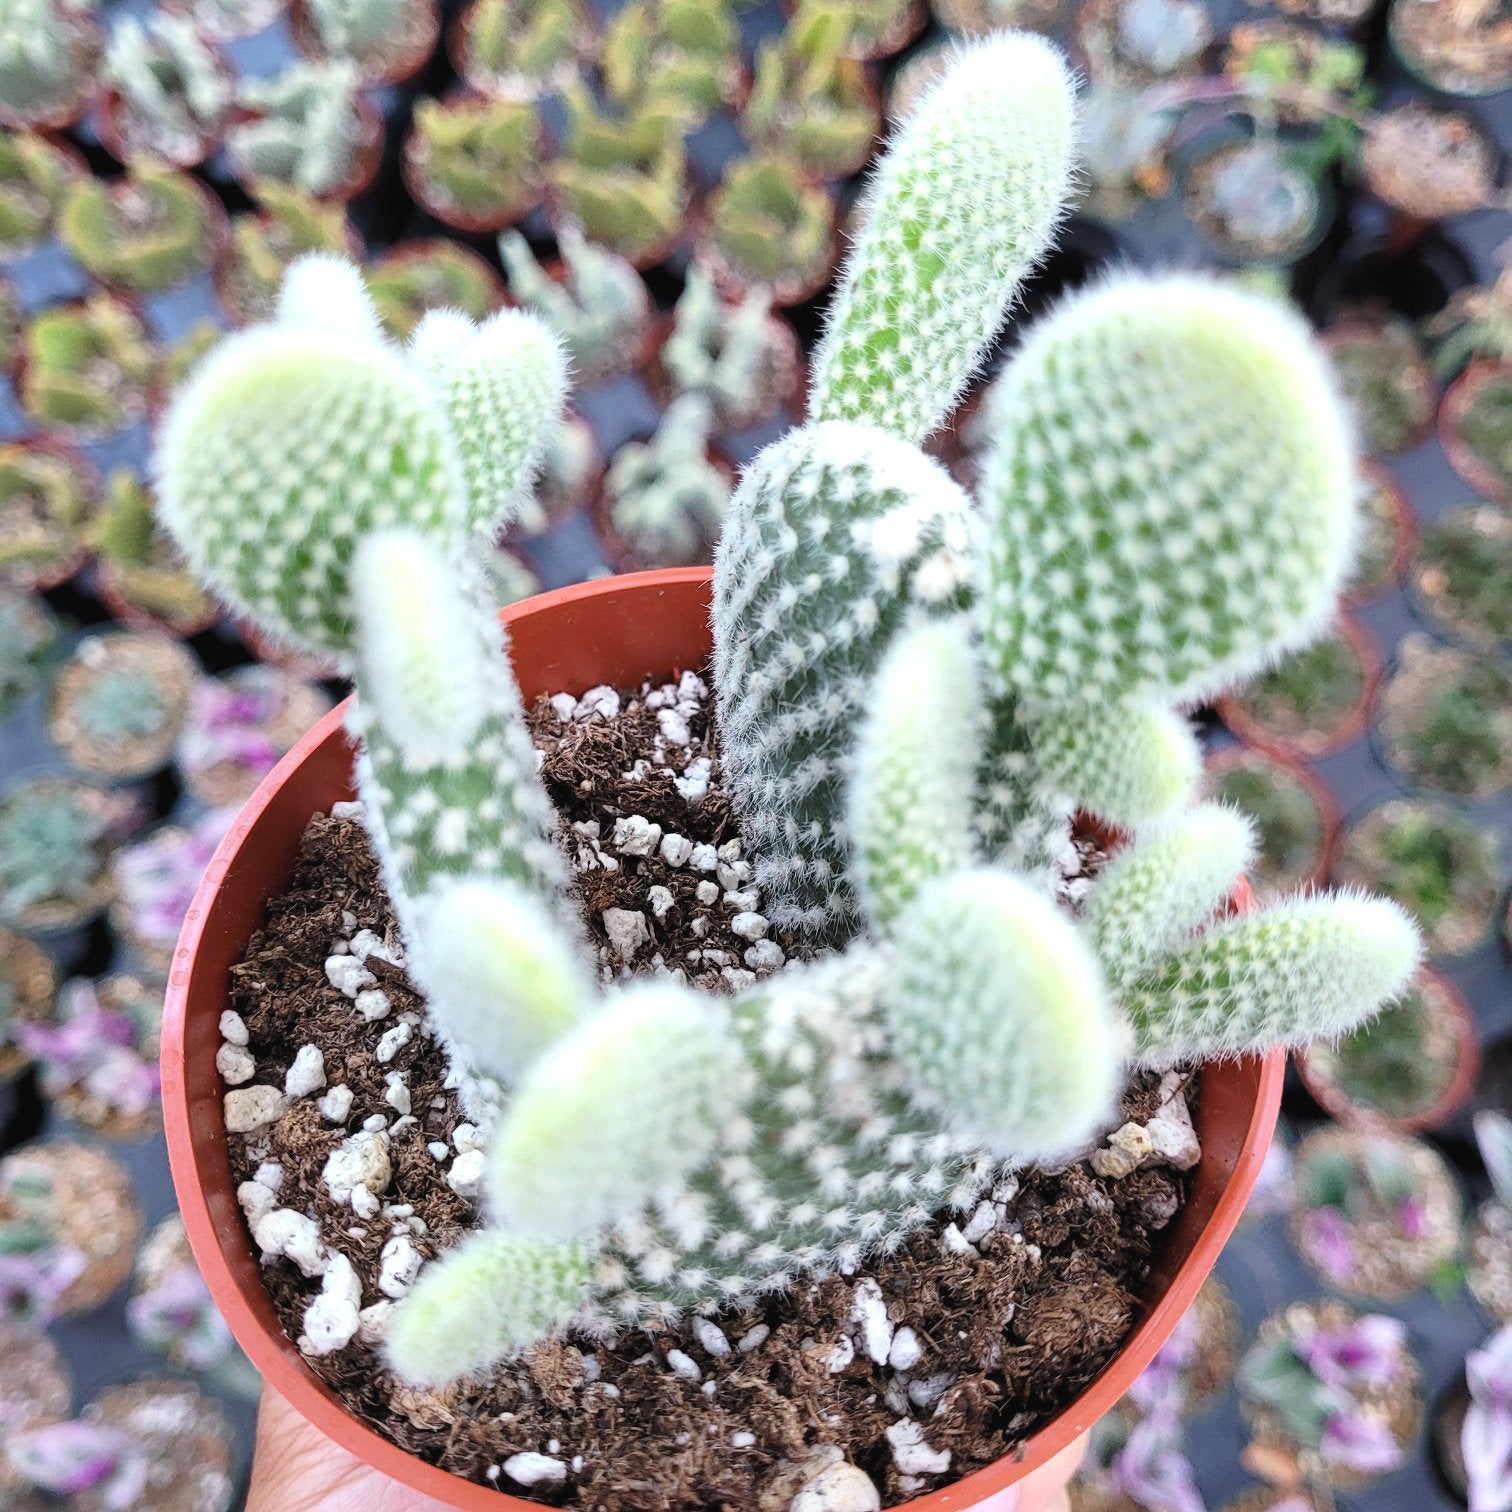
(914, 696)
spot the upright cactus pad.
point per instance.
(963, 204)
(833, 533)
(1171, 496)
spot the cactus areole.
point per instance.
(915, 693)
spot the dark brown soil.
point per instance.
(1010, 1331)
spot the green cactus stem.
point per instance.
(411, 280)
(150, 231)
(621, 179)
(811, 103)
(523, 49)
(305, 129)
(678, 56)
(88, 367)
(477, 162)
(769, 226)
(287, 224)
(174, 93)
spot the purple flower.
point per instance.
(33, 1283)
(1486, 1437)
(95, 1049)
(1412, 1217)
(1489, 1368)
(1356, 1442)
(1329, 1242)
(226, 722)
(1368, 1351)
(1151, 1469)
(157, 876)
(67, 1458)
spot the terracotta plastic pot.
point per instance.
(1456, 404)
(617, 631)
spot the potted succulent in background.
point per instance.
(228, 20)
(139, 573)
(620, 179)
(871, 30)
(1389, 384)
(475, 163)
(1444, 718)
(36, 174)
(1295, 816)
(767, 226)
(844, 620)
(56, 836)
(119, 702)
(1409, 1069)
(287, 224)
(415, 277)
(1387, 534)
(1132, 44)
(743, 357)
(48, 494)
(567, 478)
(664, 499)
(143, 233)
(522, 49)
(310, 129)
(592, 298)
(809, 102)
(1333, 1396)
(1475, 427)
(87, 367)
(1442, 866)
(168, 93)
(48, 58)
(678, 56)
(1376, 1215)
(1428, 162)
(1314, 701)
(388, 40)
(1461, 48)
(28, 987)
(1488, 1269)
(1462, 571)
(28, 639)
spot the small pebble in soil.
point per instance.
(249, 1108)
(232, 1029)
(336, 1106)
(307, 1074)
(530, 1469)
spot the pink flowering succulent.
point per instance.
(176, 1316)
(157, 876)
(228, 723)
(1486, 1436)
(94, 1050)
(35, 1272)
(70, 1458)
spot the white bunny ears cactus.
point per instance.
(914, 696)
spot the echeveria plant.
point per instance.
(913, 700)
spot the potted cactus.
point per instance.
(1133, 44)
(475, 163)
(1475, 427)
(678, 56)
(664, 499)
(621, 179)
(168, 92)
(310, 129)
(1428, 162)
(742, 357)
(1461, 575)
(522, 49)
(1314, 701)
(593, 299)
(1488, 1271)
(139, 574)
(49, 52)
(119, 702)
(28, 983)
(149, 231)
(976, 18)
(1440, 864)
(809, 101)
(388, 40)
(36, 174)
(287, 224)
(1295, 817)
(1258, 199)
(567, 476)
(1461, 48)
(28, 638)
(1444, 718)
(56, 836)
(87, 367)
(416, 277)
(1387, 532)
(870, 29)
(1409, 1069)
(766, 225)
(48, 494)
(682, 1159)
(1389, 384)
(228, 20)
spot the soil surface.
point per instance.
(996, 1318)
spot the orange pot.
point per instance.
(617, 631)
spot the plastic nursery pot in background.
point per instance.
(1475, 428)
(618, 631)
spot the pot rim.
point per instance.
(276, 1358)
